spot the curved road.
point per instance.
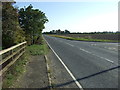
(94, 64)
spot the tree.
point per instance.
(67, 32)
(53, 31)
(32, 21)
(58, 31)
(11, 31)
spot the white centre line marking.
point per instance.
(70, 44)
(73, 77)
(105, 59)
(96, 55)
(85, 50)
(93, 44)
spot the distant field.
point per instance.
(95, 36)
(90, 37)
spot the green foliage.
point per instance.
(37, 49)
(18, 67)
(15, 71)
(57, 32)
(32, 21)
(11, 33)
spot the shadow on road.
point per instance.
(79, 79)
(63, 84)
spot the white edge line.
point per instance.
(77, 83)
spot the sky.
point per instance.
(85, 16)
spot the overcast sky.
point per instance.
(88, 16)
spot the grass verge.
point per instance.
(15, 71)
(18, 68)
(38, 49)
(84, 39)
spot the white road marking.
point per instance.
(85, 50)
(93, 44)
(73, 77)
(96, 55)
(117, 45)
(104, 58)
(111, 48)
(70, 44)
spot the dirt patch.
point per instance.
(35, 75)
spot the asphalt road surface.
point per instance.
(94, 64)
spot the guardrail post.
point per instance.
(11, 54)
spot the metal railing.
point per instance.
(10, 55)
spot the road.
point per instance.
(92, 63)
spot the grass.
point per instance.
(15, 71)
(38, 49)
(18, 68)
(84, 39)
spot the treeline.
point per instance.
(18, 25)
(104, 32)
(68, 32)
(57, 32)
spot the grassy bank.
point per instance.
(19, 66)
(83, 39)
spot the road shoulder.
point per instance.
(60, 78)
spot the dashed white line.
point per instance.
(96, 55)
(117, 45)
(85, 50)
(70, 44)
(93, 44)
(108, 60)
(104, 58)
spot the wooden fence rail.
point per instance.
(10, 55)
